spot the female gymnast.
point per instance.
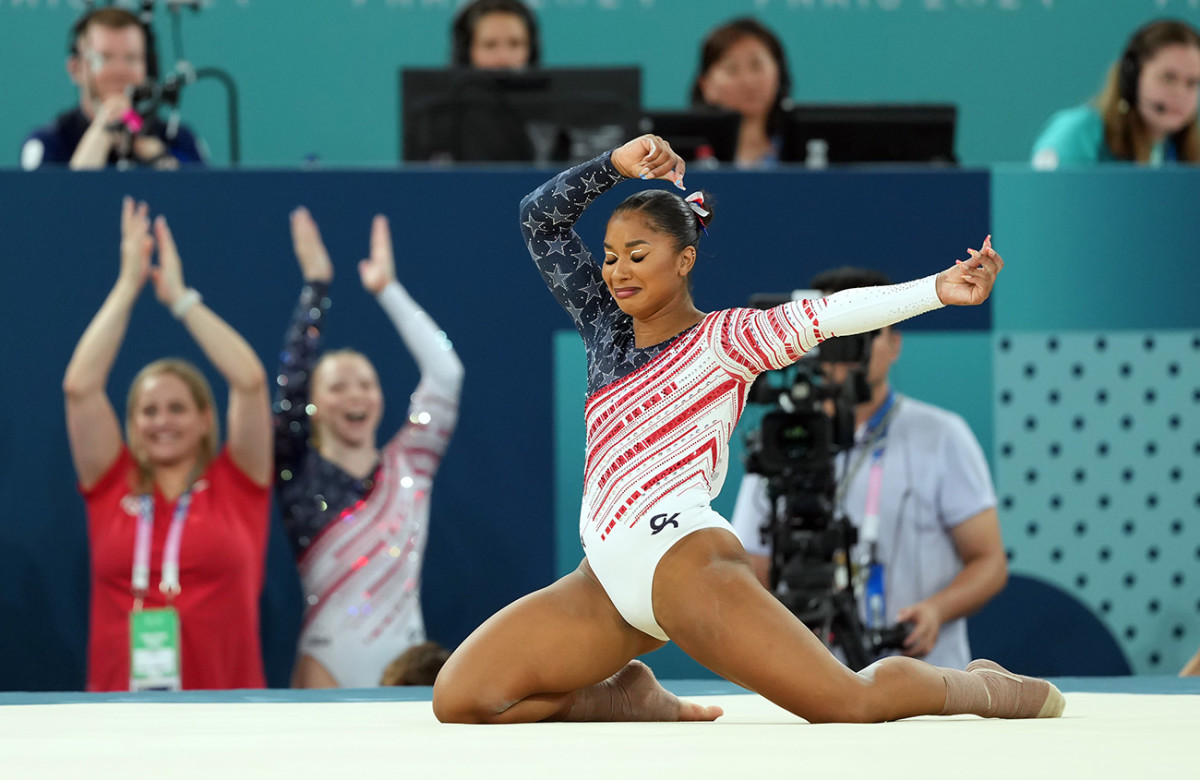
(357, 516)
(177, 529)
(666, 384)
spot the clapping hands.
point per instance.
(137, 250)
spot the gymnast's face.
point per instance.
(500, 40)
(348, 401)
(642, 269)
(1168, 88)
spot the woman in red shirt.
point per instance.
(178, 526)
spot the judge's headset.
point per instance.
(144, 19)
(464, 29)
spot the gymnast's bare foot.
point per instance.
(634, 694)
(638, 696)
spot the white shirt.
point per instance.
(934, 478)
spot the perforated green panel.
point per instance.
(1098, 474)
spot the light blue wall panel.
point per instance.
(318, 77)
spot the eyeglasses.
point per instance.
(98, 61)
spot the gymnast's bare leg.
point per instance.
(561, 653)
(708, 601)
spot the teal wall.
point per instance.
(1097, 397)
(318, 77)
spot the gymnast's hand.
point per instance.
(649, 157)
(969, 282)
(380, 268)
(309, 248)
(136, 244)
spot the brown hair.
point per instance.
(721, 39)
(418, 665)
(201, 393)
(1125, 131)
(462, 33)
(110, 18)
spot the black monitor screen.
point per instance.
(540, 115)
(696, 134)
(816, 134)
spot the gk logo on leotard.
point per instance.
(659, 522)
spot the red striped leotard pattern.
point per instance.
(664, 428)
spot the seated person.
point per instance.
(108, 58)
(743, 68)
(495, 34)
(1146, 112)
(925, 476)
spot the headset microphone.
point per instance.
(1159, 108)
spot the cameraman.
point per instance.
(938, 532)
(108, 49)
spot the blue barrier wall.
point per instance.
(319, 77)
(1092, 255)
(458, 252)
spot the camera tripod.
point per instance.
(815, 587)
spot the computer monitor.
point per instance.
(919, 133)
(539, 115)
(696, 133)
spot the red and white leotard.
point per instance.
(659, 419)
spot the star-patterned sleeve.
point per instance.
(754, 341)
(433, 410)
(301, 345)
(548, 216)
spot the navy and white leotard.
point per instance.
(659, 418)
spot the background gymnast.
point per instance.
(357, 516)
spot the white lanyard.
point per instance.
(169, 585)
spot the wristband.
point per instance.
(186, 301)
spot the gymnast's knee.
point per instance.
(456, 701)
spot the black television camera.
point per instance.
(810, 539)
